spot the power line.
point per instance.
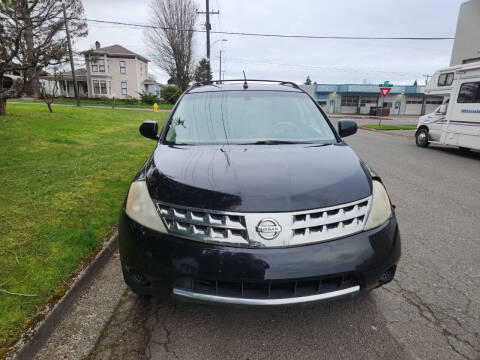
(146, 26)
(319, 68)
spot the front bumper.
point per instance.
(154, 263)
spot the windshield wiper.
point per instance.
(275, 142)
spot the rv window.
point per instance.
(469, 93)
(441, 79)
(445, 79)
(449, 79)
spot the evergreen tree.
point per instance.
(201, 72)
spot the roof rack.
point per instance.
(213, 82)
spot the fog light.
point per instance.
(388, 275)
(135, 277)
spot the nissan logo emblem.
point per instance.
(268, 229)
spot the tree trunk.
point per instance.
(49, 107)
(3, 100)
(3, 106)
(32, 84)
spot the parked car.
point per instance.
(251, 197)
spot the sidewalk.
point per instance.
(91, 106)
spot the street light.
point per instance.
(220, 67)
(216, 41)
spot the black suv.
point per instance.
(252, 198)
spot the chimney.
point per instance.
(97, 45)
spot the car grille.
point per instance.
(329, 223)
(267, 289)
(204, 224)
(297, 228)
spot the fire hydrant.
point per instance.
(155, 107)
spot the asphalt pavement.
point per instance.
(430, 311)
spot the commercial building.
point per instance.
(466, 47)
(361, 98)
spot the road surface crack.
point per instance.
(168, 333)
(429, 314)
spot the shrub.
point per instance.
(149, 98)
(129, 100)
(171, 93)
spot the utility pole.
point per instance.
(208, 27)
(220, 67)
(427, 76)
(70, 54)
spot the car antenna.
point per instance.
(245, 85)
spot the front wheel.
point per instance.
(421, 137)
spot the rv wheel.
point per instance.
(421, 137)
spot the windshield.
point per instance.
(248, 117)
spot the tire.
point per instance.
(421, 137)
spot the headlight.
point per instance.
(141, 209)
(381, 209)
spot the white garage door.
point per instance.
(413, 106)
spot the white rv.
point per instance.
(457, 121)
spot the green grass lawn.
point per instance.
(119, 102)
(64, 177)
(389, 127)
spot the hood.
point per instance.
(261, 178)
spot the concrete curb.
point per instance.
(33, 339)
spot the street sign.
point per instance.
(385, 90)
(385, 84)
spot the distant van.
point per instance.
(457, 121)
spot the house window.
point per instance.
(103, 86)
(101, 65)
(469, 93)
(348, 100)
(445, 79)
(124, 88)
(94, 66)
(123, 68)
(96, 86)
(85, 87)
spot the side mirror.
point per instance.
(149, 129)
(347, 128)
(443, 109)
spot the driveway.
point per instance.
(430, 311)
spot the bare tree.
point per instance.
(43, 42)
(11, 32)
(48, 95)
(171, 38)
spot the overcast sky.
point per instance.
(326, 61)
